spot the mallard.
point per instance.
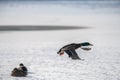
(18, 73)
(70, 49)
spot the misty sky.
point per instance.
(56, 12)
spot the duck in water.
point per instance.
(70, 49)
(20, 72)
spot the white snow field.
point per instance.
(37, 50)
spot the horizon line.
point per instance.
(39, 27)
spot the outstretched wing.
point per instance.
(74, 54)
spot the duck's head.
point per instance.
(86, 44)
(21, 64)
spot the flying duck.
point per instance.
(70, 49)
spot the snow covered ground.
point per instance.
(101, 63)
(38, 49)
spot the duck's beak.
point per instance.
(91, 44)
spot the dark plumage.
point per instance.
(23, 68)
(20, 72)
(70, 49)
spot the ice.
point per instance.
(37, 50)
(43, 62)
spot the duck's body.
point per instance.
(70, 49)
(18, 73)
(72, 46)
